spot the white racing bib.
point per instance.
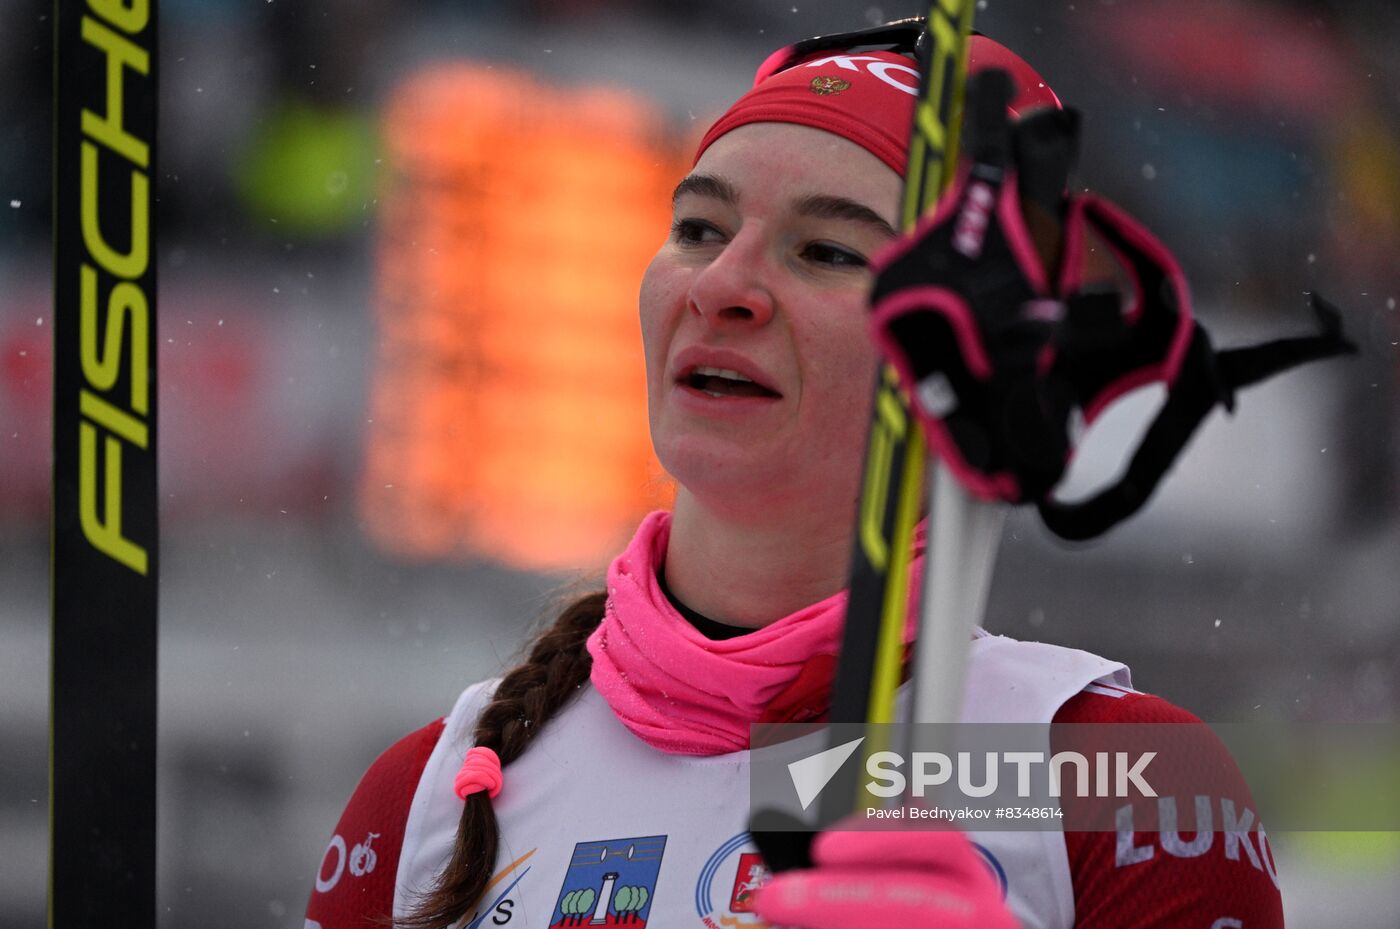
(597, 825)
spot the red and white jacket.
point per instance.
(592, 813)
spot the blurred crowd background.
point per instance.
(402, 411)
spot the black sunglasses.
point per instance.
(905, 36)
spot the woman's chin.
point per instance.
(745, 486)
(722, 471)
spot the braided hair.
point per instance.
(528, 697)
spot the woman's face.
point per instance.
(760, 367)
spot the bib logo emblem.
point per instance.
(829, 86)
(610, 883)
(359, 861)
(362, 857)
(724, 892)
(751, 874)
(501, 909)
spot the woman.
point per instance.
(606, 779)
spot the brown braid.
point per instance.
(526, 699)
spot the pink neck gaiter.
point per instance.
(683, 693)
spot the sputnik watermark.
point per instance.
(978, 775)
(1111, 771)
(1172, 781)
(964, 813)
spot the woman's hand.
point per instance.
(885, 879)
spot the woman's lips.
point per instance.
(724, 383)
(721, 373)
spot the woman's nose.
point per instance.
(734, 288)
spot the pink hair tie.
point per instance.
(481, 770)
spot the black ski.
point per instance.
(102, 743)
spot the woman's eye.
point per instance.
(693, 232)
(829, 254)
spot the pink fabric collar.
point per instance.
(683, 693)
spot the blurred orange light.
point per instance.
(508, 406)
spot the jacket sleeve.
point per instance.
(1153, 880)
(354, 887)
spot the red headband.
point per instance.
(867, 97)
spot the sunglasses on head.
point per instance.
(904, 36)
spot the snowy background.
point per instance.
(302, 633)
